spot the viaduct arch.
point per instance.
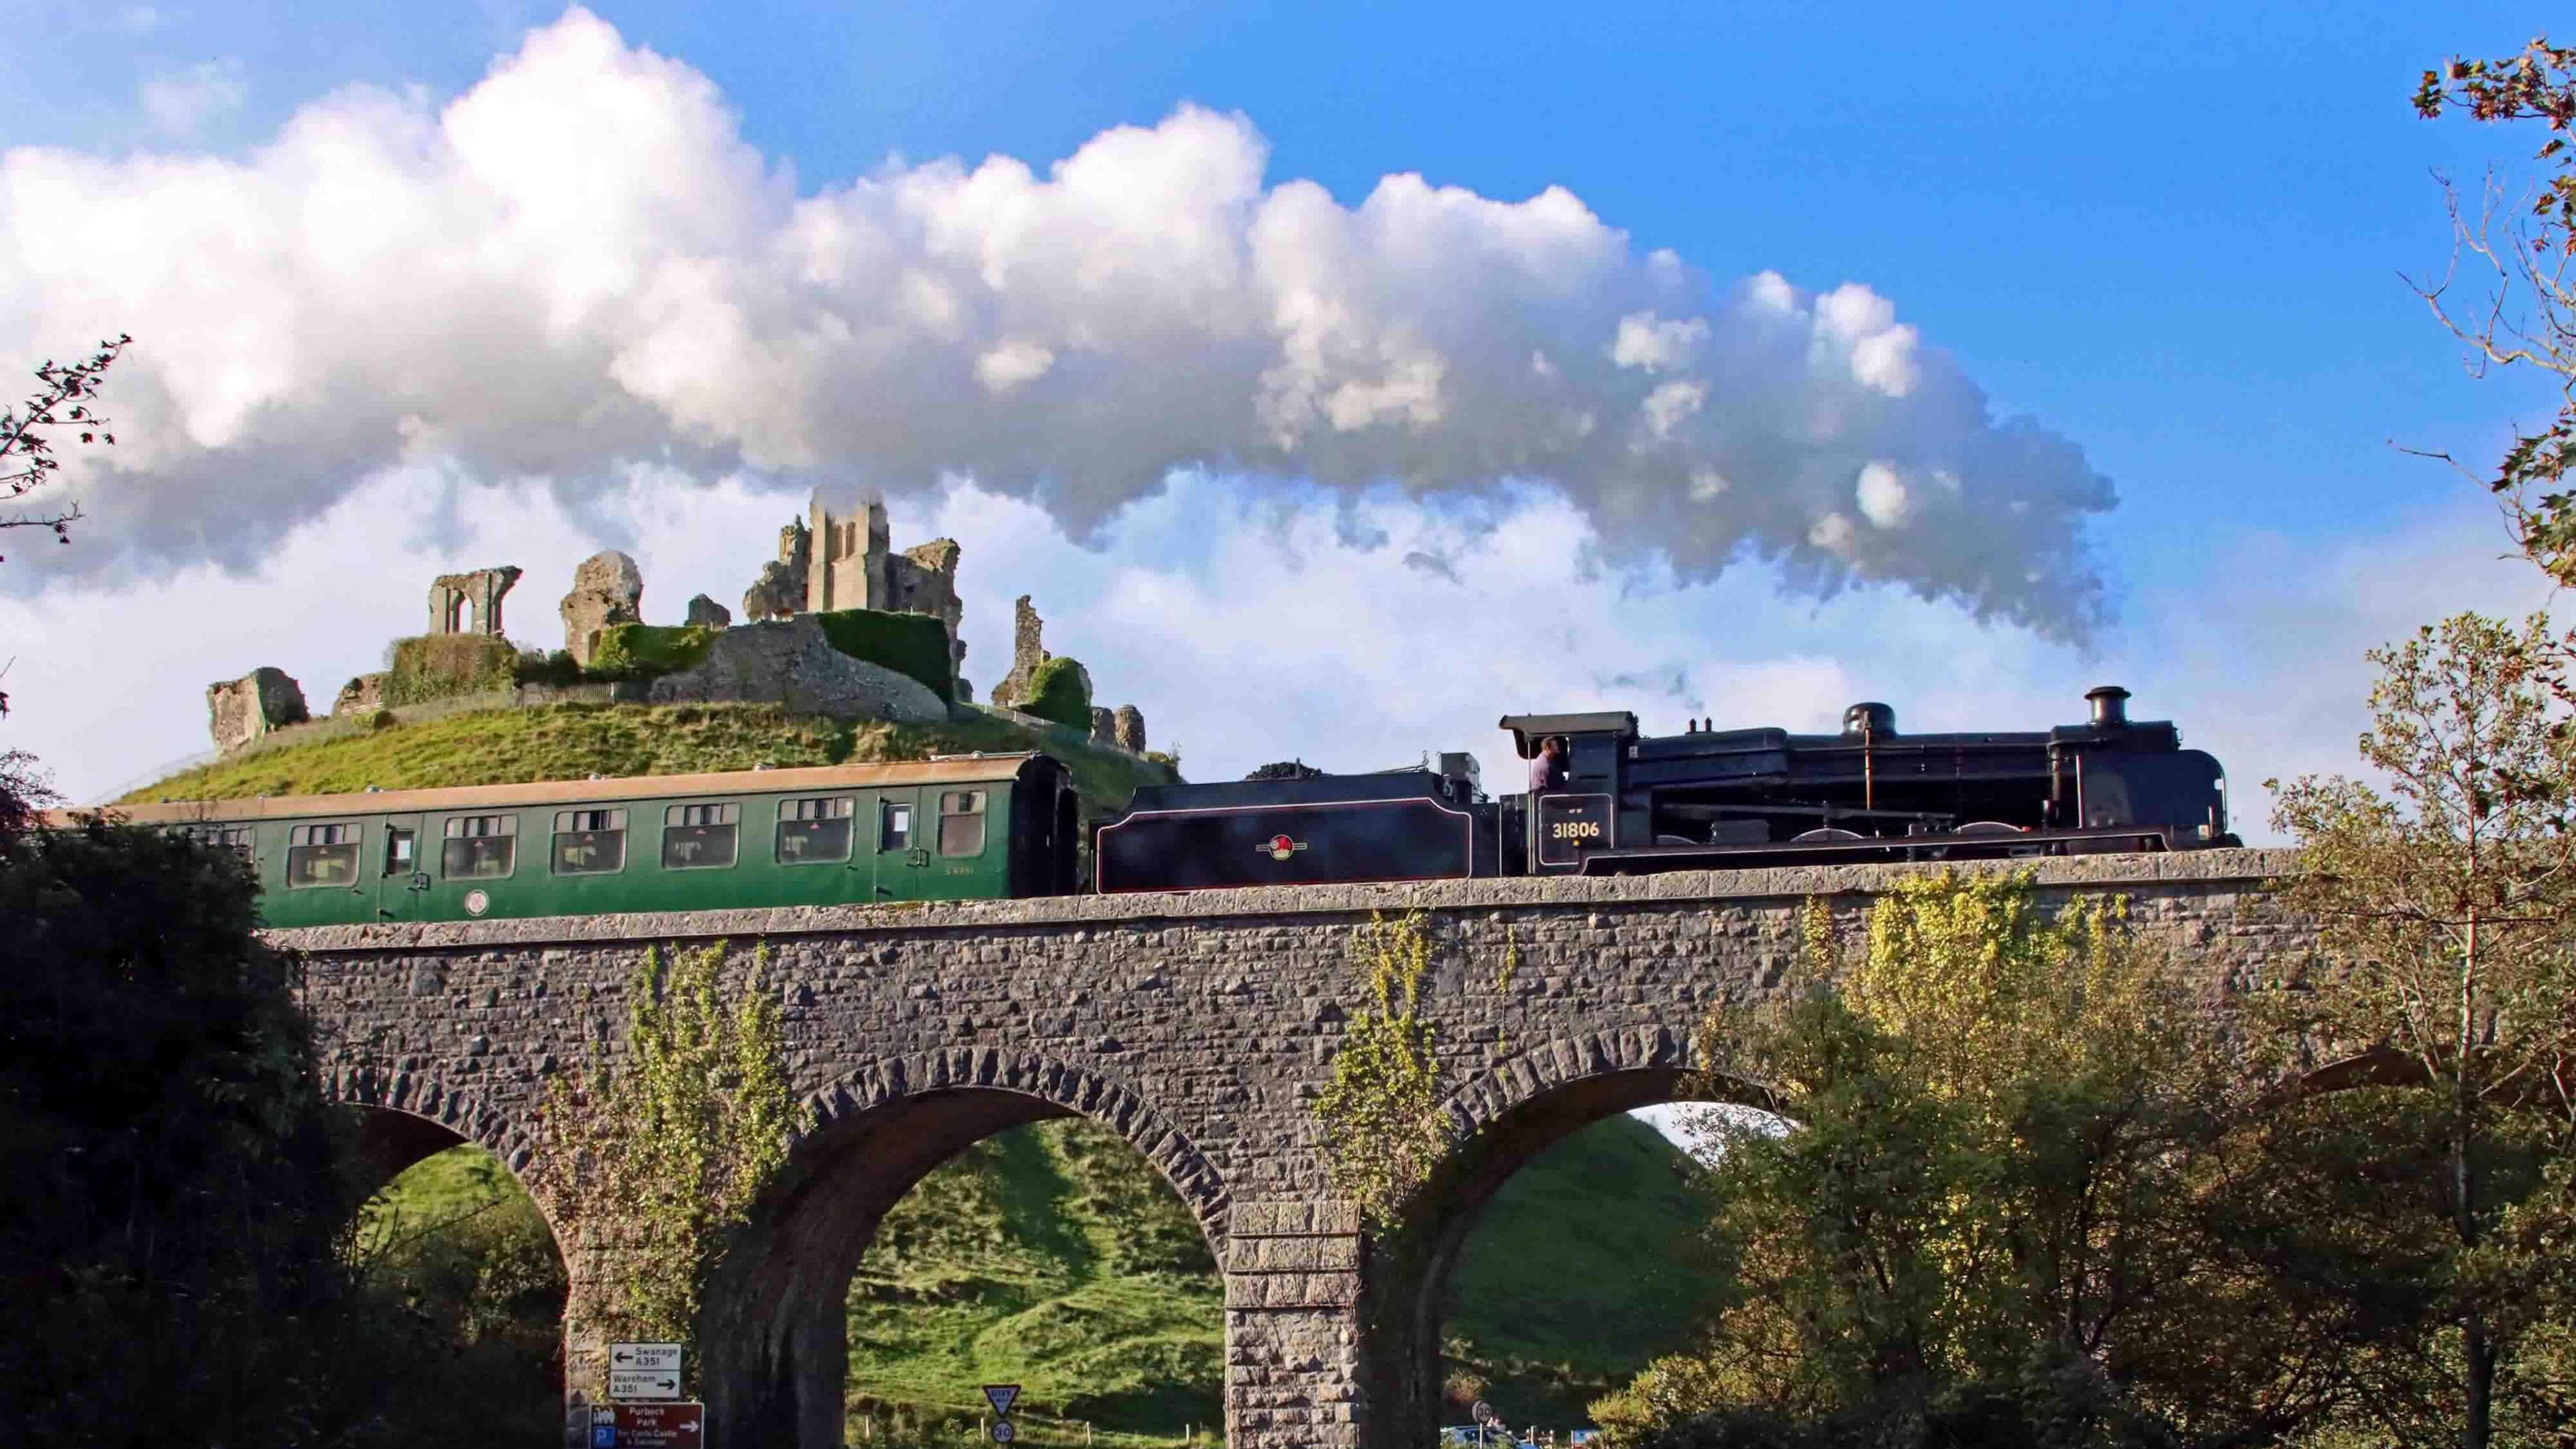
(1198, 1026)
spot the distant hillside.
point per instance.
(1578, 1273)
(575, 741)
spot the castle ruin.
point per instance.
(470, 603)
(826, 563)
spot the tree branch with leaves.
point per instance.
(66, 399)
(652, 1160)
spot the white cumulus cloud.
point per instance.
(578, 265)
(1883, 499)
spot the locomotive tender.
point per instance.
(967, 827)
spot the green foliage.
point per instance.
(1060, 691)
(540, 666)
(1383, 1132)
(455, 1267)
(2017, 1169)
(909, 644)
(441, 666)
(167, 1230)
(663, 1150)
(647, 651)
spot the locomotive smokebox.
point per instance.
(2110, 706)
(1869, 719)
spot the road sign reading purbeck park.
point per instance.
(658, 1426)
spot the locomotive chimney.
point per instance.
(1871, 719)
(2110, 706)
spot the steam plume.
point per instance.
(579, 264)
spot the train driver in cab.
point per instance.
(1547, 767)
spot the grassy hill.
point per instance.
(574, 741)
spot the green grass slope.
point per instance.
(575, 741)
(1051, 1257)
(1579, 1272)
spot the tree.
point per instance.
(66, 398)
(658, 1156)
(2447, 903)
(168, 1228)
(2022, 1202)
(2525, 316)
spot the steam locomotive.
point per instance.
(1705, 799)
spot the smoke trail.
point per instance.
(578, 264)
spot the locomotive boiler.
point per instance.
(1704, 799)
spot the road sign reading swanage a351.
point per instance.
(653, 1357)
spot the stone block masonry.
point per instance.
(1198, 1026)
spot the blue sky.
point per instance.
(2173, 235)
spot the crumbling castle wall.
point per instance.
(779, 592)
(239, 711)
(1028, 651)
(469, 603)
(608, 588)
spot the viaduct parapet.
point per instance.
(1200, 1027)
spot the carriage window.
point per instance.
(402, 850)
(235, 838)
(814, 830)
(321, 855)
(961, 822)
(590, 842)
(699, 837)
(894, 825)
(479, 847)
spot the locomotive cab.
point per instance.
(1560, 827)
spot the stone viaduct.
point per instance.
(1200, 1027)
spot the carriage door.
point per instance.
(401, 870)
(903, 838)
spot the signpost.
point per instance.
(1001, 1397)
(625, 1385)
(656, 1357)
(650, 1426)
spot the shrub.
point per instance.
(1060, 692)
(441, 666)
(647, 651)
(538, 666)
(915, 645)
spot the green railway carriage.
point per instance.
(946, 829)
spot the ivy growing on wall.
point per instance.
(656, 1158)
(1383, 1132)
